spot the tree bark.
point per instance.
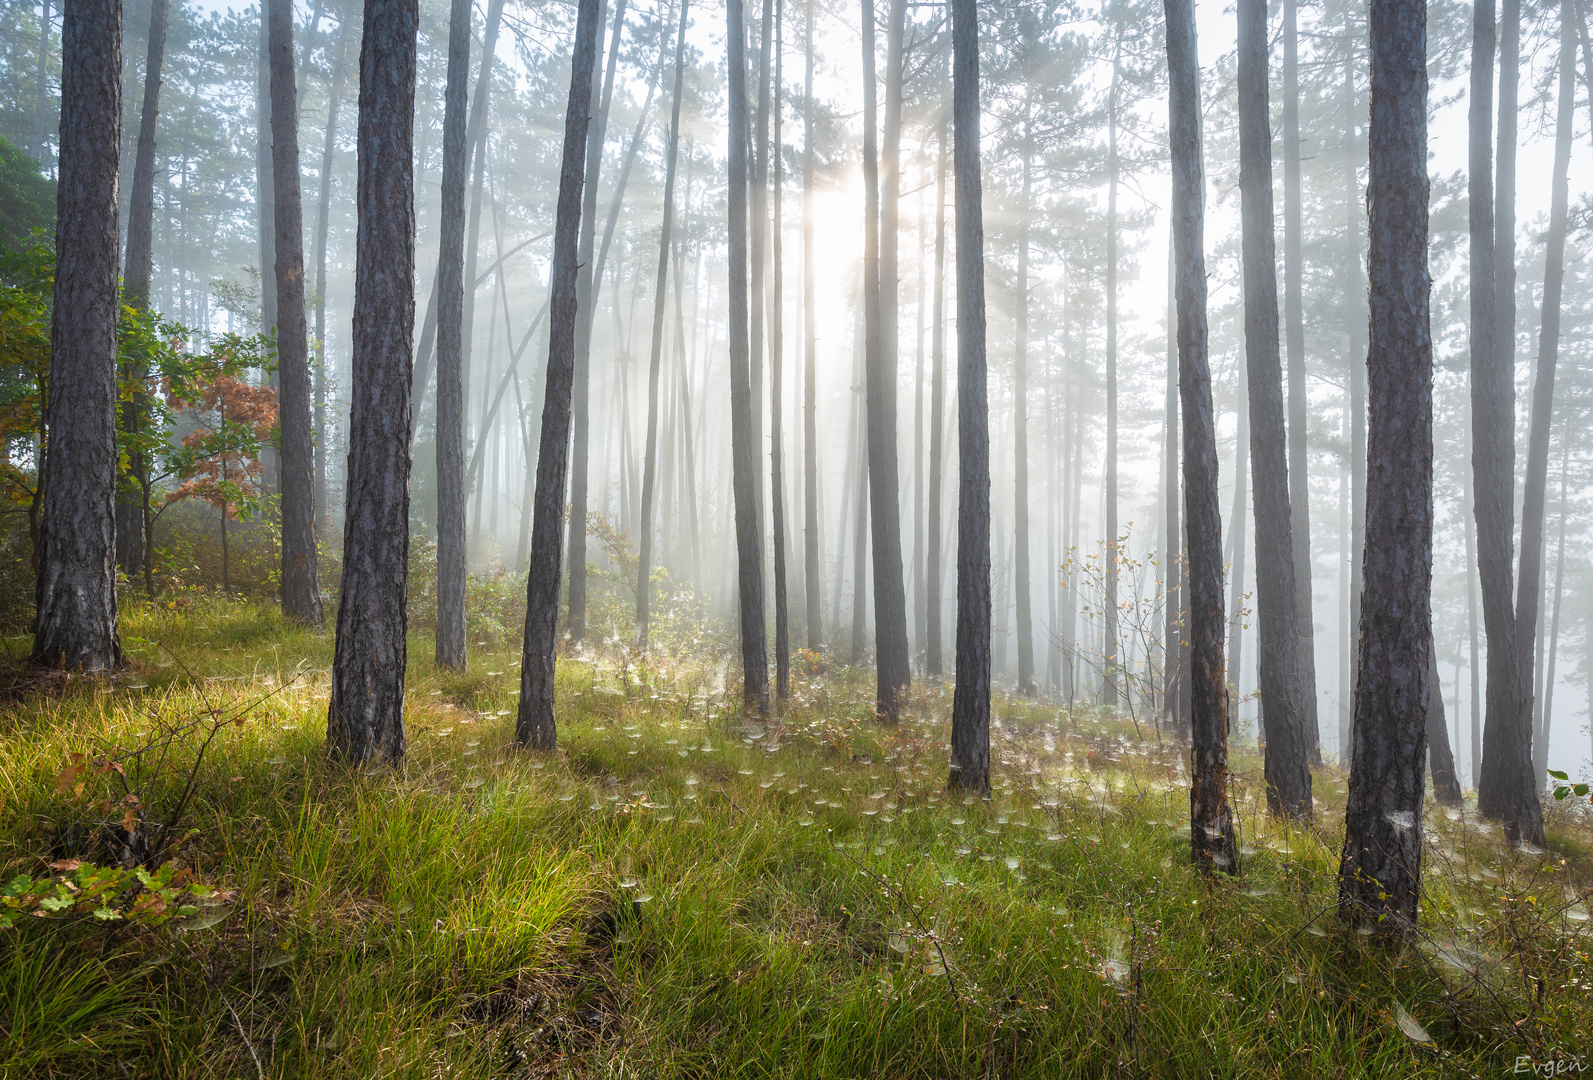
(782, 629)
(366, 718)
(1528, 595)
(452, 650)
(891, 659)
(131, 494)
(534, 725)
(1440, 755)
(934, 574)
(655, 355)
(301, 592)
(1380, 871)
(1174, 561)
(1211, 832)
(75, 628)
(1507, 788)
(1283, 676)
(812, 565)
(1299, 397)
(586, 299)
(1545, 717)
(322, 228)
(749, 557)
(970, 708)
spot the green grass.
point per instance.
(679, 893)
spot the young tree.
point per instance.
(75, 628)
(365, 721)
(1380, 871)
(811, 568)
(782, 629)
(655, 356)
(970, 707)
(743, 451)
(534, 726)
(1211, 832)
(301, 593)
(135, 290)
(1284, 680)
(891, 660)
(452, 651)
(1020, 418)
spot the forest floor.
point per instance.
(677, 892)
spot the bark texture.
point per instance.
(75, 628)
(452, 650)
(970, 708)
(1380, 871)
(1283, 677)
(366, 718)
(1211, 832)
(535, 725)
(301, 591)
(743, 449)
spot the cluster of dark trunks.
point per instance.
(94, 518)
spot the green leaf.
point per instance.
(1558, 775)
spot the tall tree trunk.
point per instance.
(1109, 655)
(534, 724)
(1299, 399)
(451, 554)
(132, 493)
(322, 227)
(1236, 553)
(891, 659)
(475, 142)
(75, 628)
(758, 204)
(655, 355)
(970, 707)
(1020, 423)
(1528, 596)
(934, 573)
(858, 471)
(782, 630)
(1173, 558)
(1380, 871)
(743, 451)
(812, 560)
(1283, 676)
(1211, 832)
(1475, 660)
(586, 298)
(1507, 788)
(1446, 779)
(265, 211)
(890, 185)
(1355, 289)
(301, 592)
(1546, 711)
(366, 718)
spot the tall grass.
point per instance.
(678, 892)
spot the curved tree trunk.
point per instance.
(301, 593)
(534, 725)
(1282, 672)
(452, 650)
(132, 493)
(655, 357)
(75, 629)
(1380, 872)
(366, 718)
(1211, 830)
(970, 706)
(743, 451)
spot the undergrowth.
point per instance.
(681, 893)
